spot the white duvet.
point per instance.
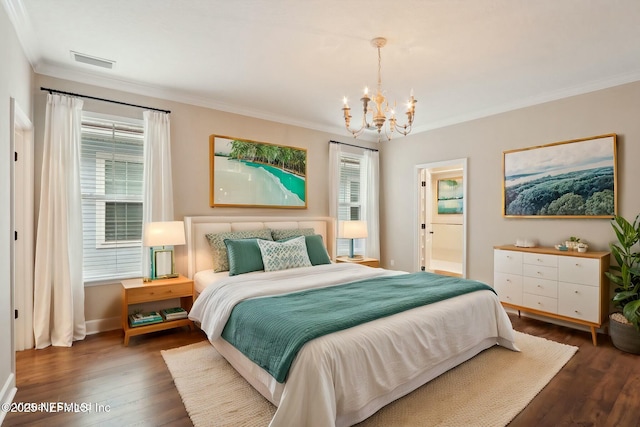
(342, 378)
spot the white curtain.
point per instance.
(370, 182)
(334, 187)
(158, 184)
(58, 317)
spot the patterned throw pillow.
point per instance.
(284, 255)
(219, 249)
(291, 232)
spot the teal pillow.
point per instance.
(284, 255)
(291, 232)
(219, 249)
(315, 249)
(244, 256)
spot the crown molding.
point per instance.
(24, 30)
(152, 91)
(593, 86)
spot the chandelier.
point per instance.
(375, 116)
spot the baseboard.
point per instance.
(102, 325)
(7, 394)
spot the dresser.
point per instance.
(564, 285)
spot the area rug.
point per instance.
(488, 390)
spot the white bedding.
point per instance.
(342, 378)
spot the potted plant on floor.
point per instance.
(624, 327)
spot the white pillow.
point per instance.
(284, 255)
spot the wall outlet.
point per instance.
(392, 262)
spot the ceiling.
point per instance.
(292, 61)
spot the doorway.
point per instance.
(441, 217)
(22, 225)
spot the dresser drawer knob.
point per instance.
(576, 292)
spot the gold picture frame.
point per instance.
(569, 179)
(245, 173)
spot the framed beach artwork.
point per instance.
(450, 194)
(255, 174)
(571, 179)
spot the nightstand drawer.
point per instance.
(156, 293)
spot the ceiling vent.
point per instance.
(92, 60)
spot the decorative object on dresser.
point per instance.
(570, 179)
(163, 233)
(624, 327)
(564, 285)
(352, 230)
(369, 262)
(136, 291)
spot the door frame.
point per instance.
(417, 206)
(22, 222)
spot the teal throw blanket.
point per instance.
(271, 330)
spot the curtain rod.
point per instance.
(351, 145)
(103, 99)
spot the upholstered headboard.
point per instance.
(197, 227)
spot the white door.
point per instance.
(22, 220)
(442, 223)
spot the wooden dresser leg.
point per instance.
(594, 336)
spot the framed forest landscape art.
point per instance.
(570, 179)
(245, 173)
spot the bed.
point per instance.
(345, 376)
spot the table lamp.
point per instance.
(163, 233)
(352, 230)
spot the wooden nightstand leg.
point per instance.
(126, 339)
(594, 336)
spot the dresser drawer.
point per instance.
(156, 293)
(508, 287)
(540, 259)
(538, 302)
(579, 301)
(583, 271)
(540, 272)
(543, 287)
(507, 261)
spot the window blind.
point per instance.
(349, 198)
(111, 175)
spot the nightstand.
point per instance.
(135, 291)
(369, 262)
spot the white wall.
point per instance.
(482, 141)
(15, 82)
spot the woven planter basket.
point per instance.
(624, 337)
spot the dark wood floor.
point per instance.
(600, 386)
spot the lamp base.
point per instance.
(164, 276)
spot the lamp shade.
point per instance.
(352, 229)
(164, 233)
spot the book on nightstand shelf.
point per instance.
(174, 313)
(139, 319)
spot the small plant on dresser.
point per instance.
(624, 328)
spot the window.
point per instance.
(112, 166)
(350, 200)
